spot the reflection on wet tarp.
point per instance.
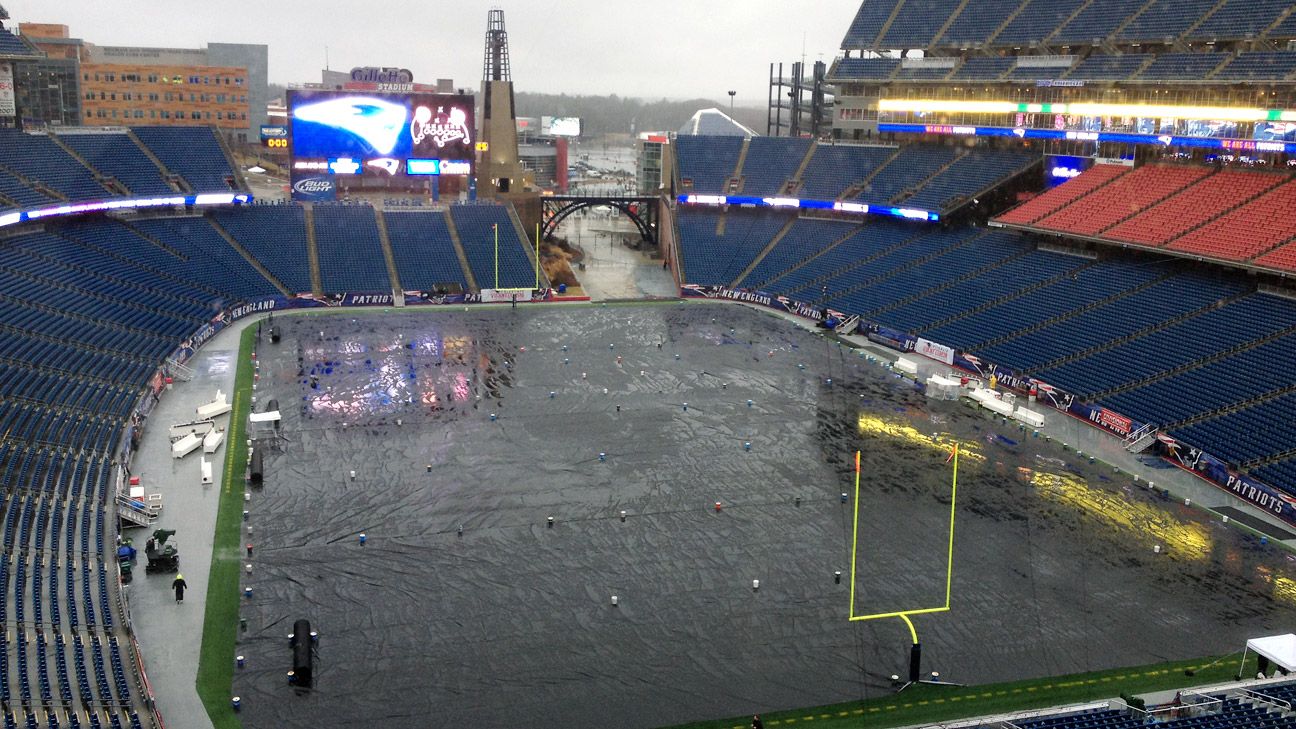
(467, 430)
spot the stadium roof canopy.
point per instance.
(714, 122)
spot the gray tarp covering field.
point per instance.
(511, 624)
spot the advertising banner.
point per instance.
(7, 107)
(313, 188)
(932, 350)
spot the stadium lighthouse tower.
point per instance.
(499, 172)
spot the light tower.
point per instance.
(498, 168)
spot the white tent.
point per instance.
(1279, 649)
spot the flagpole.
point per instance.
(537, 260)
(495, 227)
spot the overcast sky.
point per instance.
(673, 48)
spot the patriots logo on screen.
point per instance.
(386, 164)
(441, 128)
(376, 121)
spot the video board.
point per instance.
(364, 134)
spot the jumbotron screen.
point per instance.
(371, 134)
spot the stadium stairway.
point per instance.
(176, 181)
(858, 188)
(385, 240)
(734, 185)
(234, 167)
(1188, 32)
(950, 20)
(154, 240)
(312, 250)
(817, 282)
(260, 267)
(1109, 344)
(116, 256)
(743, 282)
(1072, 313)
(1194, 364)
(1008, 297)
(907, 266)
(114, 186)
(460, 252)
(906, 194)
(764, 251)
(794, 182)
(36, 185)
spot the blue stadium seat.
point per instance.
(117, 155)
(350, 251)
(194, 153)
(276, 236)
(474, 224)
(423, 250)
(707, 161)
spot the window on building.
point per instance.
(152, 113)
(195, 115)
(153, 78)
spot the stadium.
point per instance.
(972, 406)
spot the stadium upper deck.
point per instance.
(960, 25)
(1197, 68)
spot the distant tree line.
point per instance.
(616, 114)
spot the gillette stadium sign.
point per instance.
(385, 75)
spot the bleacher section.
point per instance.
(719, 257)
(88, 311)
(1057, 198)
(350, 250)
(771, 162)
(1246, 231)
(707, 161)
(1231, 215)
(36, 169)
(1230, 713)
(833, 169)
(968, 176)
(1165, 19)
(209, 256)
(1190, 208)
(42, 164)
(424, 252)
(117, 156)
(276, 236)
(928, 177)
(474, 224)
(1078, 23)
(1121, 198)
(191, 152)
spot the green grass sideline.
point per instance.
(925, 704)
(220, 618)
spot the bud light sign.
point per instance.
(314, 189)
